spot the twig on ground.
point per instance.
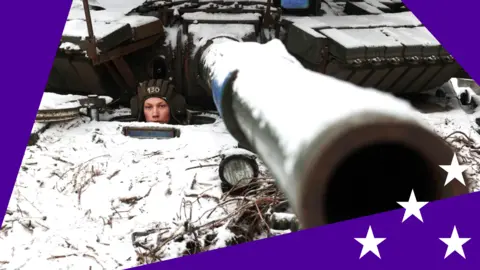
(55, 257)
(135, 199)
(201, 166)
(115, 173)
(95, 258)
(207, 158)
(82, 164)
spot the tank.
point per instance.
(371, 43)
(210, 52)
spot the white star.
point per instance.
(454, 171)
(412, 207)
(370, 243)
(455, 243)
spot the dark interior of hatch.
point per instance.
(151, 132)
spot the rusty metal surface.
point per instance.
(114, 39)
(90, 75)
(148, 30)
(127, 49)
(92, 47)
(117, 77)
(125, 72)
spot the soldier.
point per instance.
(158, 102)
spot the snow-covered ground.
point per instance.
(85, 192)
(87, 196)
(84, 189)
(448, 117)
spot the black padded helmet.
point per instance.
(162, 89)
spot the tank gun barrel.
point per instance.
(338, 151)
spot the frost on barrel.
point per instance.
(332, 148)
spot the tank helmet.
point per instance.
(165, 90)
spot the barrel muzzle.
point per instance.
(369, 169)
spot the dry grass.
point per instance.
(252, 207)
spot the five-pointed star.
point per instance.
(370, 243)
(454, 171)
(412, 207)
(455, 243)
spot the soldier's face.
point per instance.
(156, 110)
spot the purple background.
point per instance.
(30, 34)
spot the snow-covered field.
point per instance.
(456, 123)
(88, 196)
(84, 189)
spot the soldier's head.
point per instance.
(156, 109)
(158, 102)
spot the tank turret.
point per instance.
(374, 43)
